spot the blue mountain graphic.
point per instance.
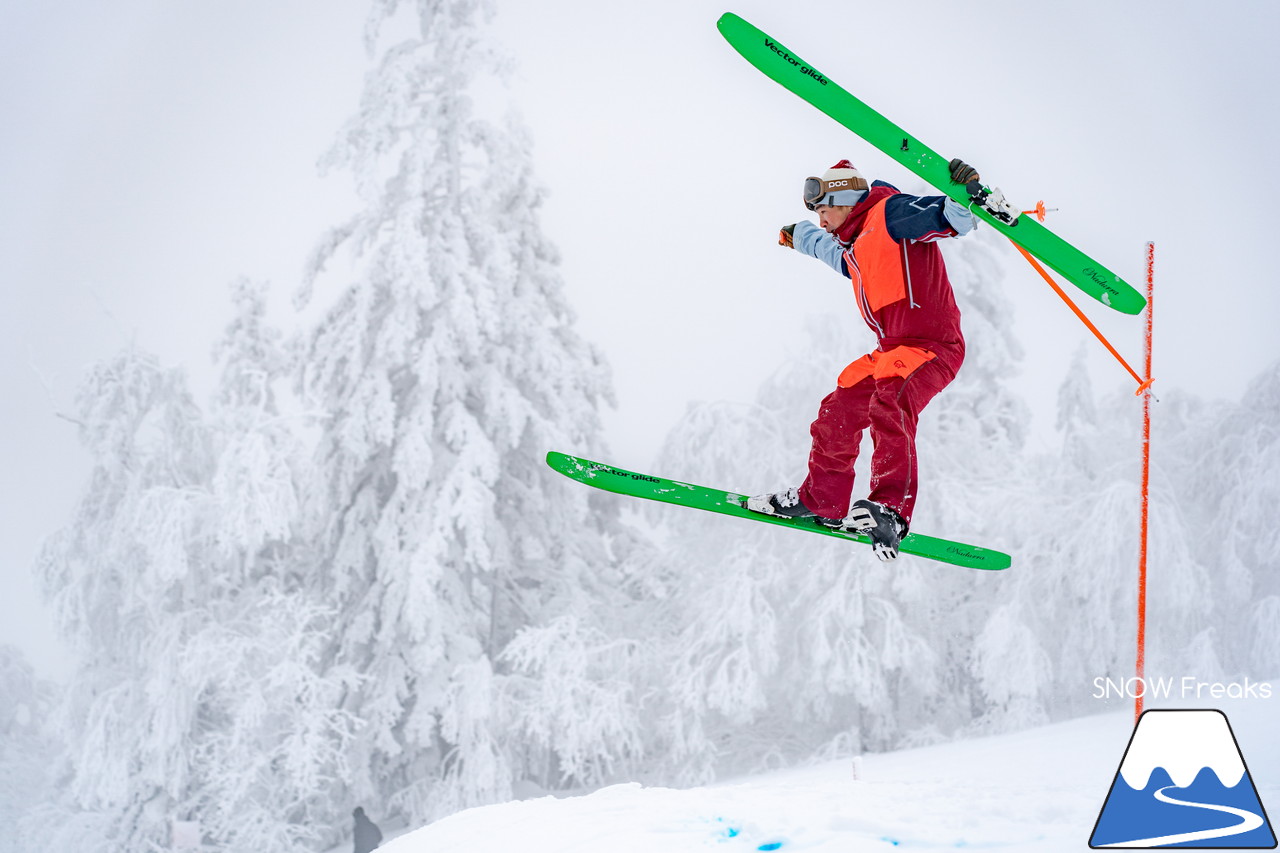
(1131, 814)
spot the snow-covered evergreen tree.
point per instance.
(117, 577)
(1225, 461)
(1075, 600)
(200, 696)
(29, 749)
(445, 369)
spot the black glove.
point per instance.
(962, 172)
(786, 237)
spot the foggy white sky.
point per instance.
(155, 151)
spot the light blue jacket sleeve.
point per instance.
(959, 217)
(816, 243)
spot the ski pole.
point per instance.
(1142, 385)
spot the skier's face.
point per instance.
(831, 217)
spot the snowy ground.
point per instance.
(1037, 790)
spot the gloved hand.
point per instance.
(962, 172)
(786, 237)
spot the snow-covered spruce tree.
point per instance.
(788, 645)
(1224, 460)
(270, 753)
(116, 576)
(445, 369)
(1016, 655)
(29, 748)
(1073, 608)
(197, 697)
(1212, 598)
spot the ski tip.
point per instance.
(728, 22)
(562, 462)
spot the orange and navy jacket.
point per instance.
(887, 249)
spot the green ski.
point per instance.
(621, 482)
(783, 66)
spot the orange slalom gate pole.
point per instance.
(1144, 526)
(1143, 385)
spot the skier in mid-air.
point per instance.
(883, 240)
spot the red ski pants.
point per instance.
(890, 407)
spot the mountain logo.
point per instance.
(1183, 783)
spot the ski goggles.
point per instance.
(816, 190)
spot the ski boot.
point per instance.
(883, 524)
(786, 503)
